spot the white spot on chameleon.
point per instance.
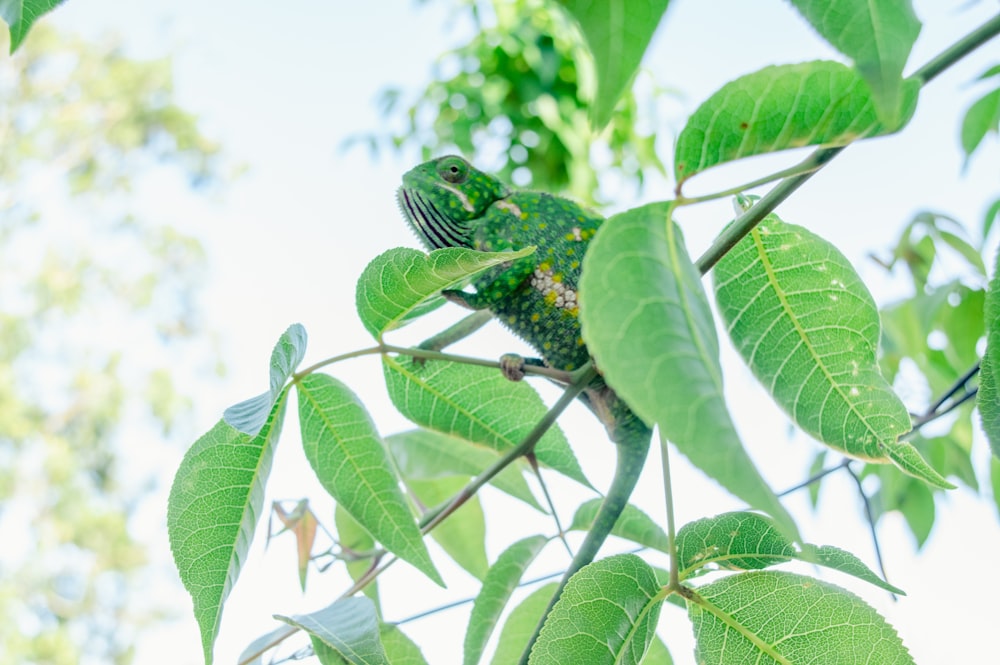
(509, 207)
(562, 296)
(577, 233)
(458, 193)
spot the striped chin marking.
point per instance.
(435, 229)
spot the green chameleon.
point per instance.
(448, 203)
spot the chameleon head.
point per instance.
(441, 199)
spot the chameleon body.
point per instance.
(448, 203)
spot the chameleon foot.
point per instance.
(512, 366)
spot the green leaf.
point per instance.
(807, 327)
(632, 524)
(399, 649)
(748, 541)
(21, 14)
(781, 107)
(477, 404)
(617, 34)
(463, 534)
(249, 415)
(607, 613)
(647, 322)
(349, 627)
(992, 214)
(424, 455)
(777, 617)
(877, 35)
(349, 459)
(988, 402)
(214, 506)
(501, 580)
(982, 117)
(520, 625)
(402, 284)
(352, 537)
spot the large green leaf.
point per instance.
(632, 524)
(769, 617)
(477, 404)
(249, 415)
(748, 541)
(463, 535)
(347, 629)
(520, 625)
(805, 324)
(501, 580)
(607, 614)
(424, 455)
(780, 107)
(617, 33)
(401, 284)
(213, 510)
(344, 449)
(20, 15)
(647, 322)
(877, 35)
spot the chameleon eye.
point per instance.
(453, 170)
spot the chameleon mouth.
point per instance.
(435, 229)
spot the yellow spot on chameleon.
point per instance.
(550, 298)
(547, 345)
(579, 341)
(574, 265)
(535, 317)
(511, 319)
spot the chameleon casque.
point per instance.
(448, 203)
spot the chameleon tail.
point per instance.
(632, 438)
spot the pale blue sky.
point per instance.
(281, 85)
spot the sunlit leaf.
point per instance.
(213, 510)
(877, 35)
(778, 617)
(21, 14)
(501, 580)
(346, 453)
(632, 524)
(748, 541)
(781, 107)
(477, 404)
(807, 327)
(402, 284)
(617, 33)
(249, 416)
(647, 322)
(607, 614)
(348, 627)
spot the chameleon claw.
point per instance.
(459, 298)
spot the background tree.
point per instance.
(83, 128)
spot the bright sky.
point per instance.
(281, 90)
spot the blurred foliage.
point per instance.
(98, 305)
(520, 89)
